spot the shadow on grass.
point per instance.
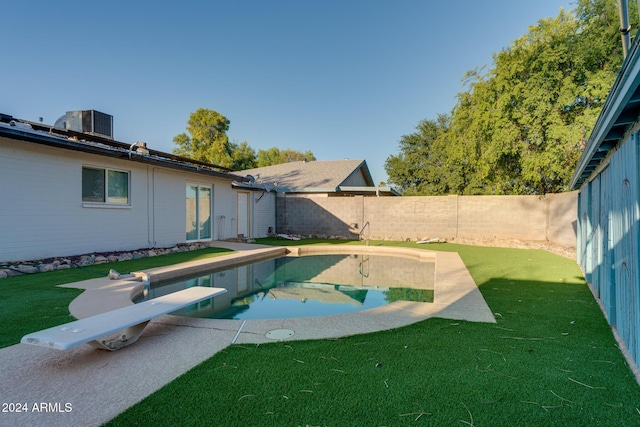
(550, 360)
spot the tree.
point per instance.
(519, 128)
(275, 156)
(243, 157)
(207, 140)
(419, 168)
(529, 144)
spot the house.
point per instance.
(608, 180)
(323, 178)
(310, 195)
(72, 189)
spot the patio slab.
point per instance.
(87, 387)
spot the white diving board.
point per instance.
(131, 320)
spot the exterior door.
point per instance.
(198, 213)
(243, 214)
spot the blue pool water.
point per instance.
(315, 285)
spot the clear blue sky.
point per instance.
(344, 79)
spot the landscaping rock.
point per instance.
(12, 273)
(46, 267)
(86, 260)
(125, 257)
(28, 269)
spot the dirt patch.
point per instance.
(521, 244)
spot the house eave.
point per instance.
(108, 148)
(366, 174)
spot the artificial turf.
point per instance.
(550, 359)
(33, 302)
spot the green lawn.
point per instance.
(32, 302)
(550, 360)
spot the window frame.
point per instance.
(108, 201)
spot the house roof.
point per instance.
(318, 176)
(619, 113)
(38, 133)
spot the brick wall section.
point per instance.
(531, 218)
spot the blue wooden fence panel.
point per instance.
(609, 241)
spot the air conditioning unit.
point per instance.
(87, 121)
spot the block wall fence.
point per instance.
(550, 218)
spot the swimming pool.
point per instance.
(295, 286)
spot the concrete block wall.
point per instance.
(532, 218)
(413, 218)
(563, 219)
(502, 217)
(339, 216)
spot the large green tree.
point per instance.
(207, 138)
(519, 127)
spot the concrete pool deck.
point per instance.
(85, 386)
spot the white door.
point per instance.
(243, 214)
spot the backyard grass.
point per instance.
(550, 360)
(32, 302)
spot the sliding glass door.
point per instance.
(198, 206)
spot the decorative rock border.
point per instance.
(52, 264)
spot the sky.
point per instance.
(340, 78)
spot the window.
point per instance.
(198, 212)
(106, 186)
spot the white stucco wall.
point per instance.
(42, 214)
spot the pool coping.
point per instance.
(99, 385)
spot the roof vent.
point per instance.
(87, 121)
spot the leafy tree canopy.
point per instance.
(520, 127)
(275, 156)
(206, 140)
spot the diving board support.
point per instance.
(128, 321)
(127, 337)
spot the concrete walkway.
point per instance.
(88, 387)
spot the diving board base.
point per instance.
(128, 337)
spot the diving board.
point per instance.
(130, 320)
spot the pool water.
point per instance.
(306, 286)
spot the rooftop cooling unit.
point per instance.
(87, 121)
